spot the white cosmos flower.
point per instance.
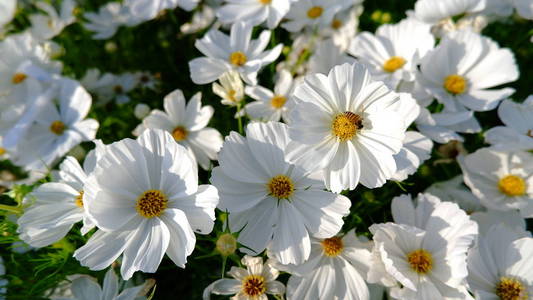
(454, 190)
(344, 26)
(275, 203)
(326, 56)
(202, 18)
(443, 127)
(393, 53)
(433, 11)
(187, 124)
(416, 149)
(517, 134)
(234, 52)
(106, 22)
(84, 287)
(501, 180)
(56, 206)
(144, 197)
(7, 11)
(230, 89)
(252, 283)
(312, 13)
(499, 267)
(271, 105)
(144, 10)
(335, 270)
(458, 72)
(45, 27)
(346, 123)
(486, 219)
(254, 12)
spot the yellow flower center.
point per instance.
(118, 89)
(280, 187)
(237, 58)
(332, 246)
(179, 133)
(315, 12)
(420, 261)
(455, 84)
(265, 2)
(336, 24)
(18, 78)
(511, 289)
(226, 244)
(530, 133)
(57, 127)
(394, 63)
(2, 151)
(278, 101)
(254, 285)
(512, 185)
(79, 200)
(346, 125)
(151, 203)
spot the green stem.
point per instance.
(13, 209)
(239, 118)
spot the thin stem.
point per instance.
(13, 209)
(239, 118)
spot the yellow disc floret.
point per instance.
(278, 101)
(332, 246)
(18, 78)
(265, 2)
(254, 286)
(2, 151)
(511, 289)
(420, 261)
(179, 133)
(237, 58)
(151, 203)
(394, 63)
(346, 125)
(57, 127)
(455, 84)
(512, 185)
(315, 12)
(280, 187)
(79, 200)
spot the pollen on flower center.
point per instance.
(336, 24)
(254, 285)
(179, 133)
(315, 12)
(278, 101)
(511, 289)
(420, 261)
(79, 200)
(226, 244)
(512, 185)
(346, 125)
(151, 203)
(332, 246)
(394, 63)
(280, 187)
(455, 84)
(18, 78)
(238, 58)
(57, 127)
(2, 151)
(265, 2)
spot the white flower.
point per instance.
(230, 89)
(501, 180)
(311, 13)
(335, 270)
(425, 252)
(234, 52)
(58, 126)
(144, 197)
(254, 12)
(106, 22)
(393, 53)
(7, 11)
(433, 11)
(343, 28)
(499, 267)
(83, 287)
(271, 105)
(57, 206)
(141, 110)
(454, 190)
(144, 10)
(459, 72)
(147, 80)
(276, 204)
(443, 127)
(486, 219)
(201, 19)
(326, 56)
(252, 283)
(187, 124)
(348, 125)
(517, 134)
(524, 8)
(45, 27)
(416, 149)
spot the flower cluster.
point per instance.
(260, 134)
